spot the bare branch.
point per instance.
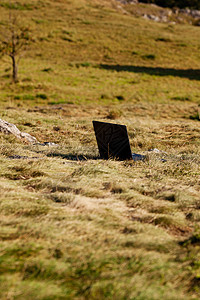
(14, 39)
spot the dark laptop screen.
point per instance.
(112, 140)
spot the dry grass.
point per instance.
(105, 224)
(76, 227)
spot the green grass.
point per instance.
(74, 226)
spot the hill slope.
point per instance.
(74, 226)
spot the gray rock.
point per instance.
(155, 150)
(152, 18)
(29, 138)
(190, 12)
(128, 1)
(49, 144)
(9, 128)
(137, 157)
(22, 157)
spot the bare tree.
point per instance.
(14, 39)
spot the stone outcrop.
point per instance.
(161, 14)
(9, 128)
(128, 1)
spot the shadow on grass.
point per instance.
(192, 74)
(78, 157)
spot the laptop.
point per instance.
(112, 140)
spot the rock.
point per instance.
(169, 12)
(156, 153)
(17, 157)
(152, 17)
(155, 150)
(49, 144)
(29, 138)
(128, 1)
(22, 157)
(190, 12)
(195, 13)
(9, 128)
(137, 157)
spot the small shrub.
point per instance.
(39, 21)
(28, 97)
(149, 56)
(17, 6)
(6, 76)
(181, 98)
(196, 22)
(117, 189)
(169, 196)
(24, 97)
(83, 64)
(17, 97)
(182, 45)
(104, 96)
(66, 32)
(57, 253)
(162, 39)
(107, 185)
(192, 240)
(42, 96)
(47, 70)
(43, 38)
(195, 117)
(114, 114)
(134, 53)
(120, 98)
(86, 22)
(26, 79)
(66, 38)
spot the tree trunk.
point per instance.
(14, 66)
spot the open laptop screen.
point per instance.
(112, 140)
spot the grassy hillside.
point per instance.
(74, 226)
